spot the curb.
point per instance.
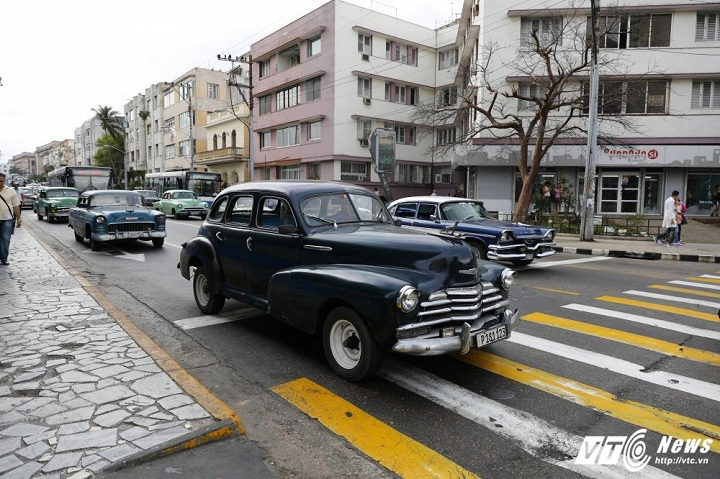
(701, 258)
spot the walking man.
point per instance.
(9, 214)
(669, 219)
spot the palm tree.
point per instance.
(110, 121)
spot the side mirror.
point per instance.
(434, 218)
(288, 229)
(397, 222)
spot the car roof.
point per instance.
(432, 199)
(175, 191)
(294, 188)
(46, 188)
(99, 192)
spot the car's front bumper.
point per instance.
(120, 235)
(459, 343)
(193, 211)
(515, 252)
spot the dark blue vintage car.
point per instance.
(110, 215)
(327, 258)
(468, 220)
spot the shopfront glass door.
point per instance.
(620, 193)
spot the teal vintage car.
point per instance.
(181, 204)
(55, 202)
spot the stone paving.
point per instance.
(76, 392)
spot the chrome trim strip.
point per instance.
(317, 247)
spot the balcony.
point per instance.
(219, 156)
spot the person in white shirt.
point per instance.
(669, 220)
(9, 214)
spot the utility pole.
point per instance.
(587, 228)
(248, 101)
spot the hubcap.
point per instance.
(345, 344)
(202, 290)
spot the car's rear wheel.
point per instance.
(94, 245)
(40, 217)
(207, 301)
(158, 242)
(350, 349)
(175, 214)
(79, 238)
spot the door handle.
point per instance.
(220, 236)
(249, 243)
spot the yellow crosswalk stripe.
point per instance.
(706, 280)
(661, 307)
(394, 450)
(665, 347)
(632, 412)
(573, 293)
(707, 294)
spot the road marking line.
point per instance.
(212, 319)
(658, 323)
(711, 276)
(639, 414)
(176, 246)
(697, 285)
(547, 264)
(183, 222)
(685, 290)
(533, 434)
(685, 384)
(661, 307)
(706, 278)
(391, 448)
(557, 291)
(679, 299)
(665, 347)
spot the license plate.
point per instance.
(497, 333)
(130, 234)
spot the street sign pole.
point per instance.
(382, 150)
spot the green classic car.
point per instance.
(181, 203)
(55, 202)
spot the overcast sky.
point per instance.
(61, 58)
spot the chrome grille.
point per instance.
(531, 242)
(461, 304)
(127, 227)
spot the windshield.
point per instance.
(337, 208)
(62, 194)
(464, 210)
(183, 195)
(117, 199)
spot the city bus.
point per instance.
(205, 184)
(82, 178)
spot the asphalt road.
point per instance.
(596, 355)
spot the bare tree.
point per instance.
(548, 102)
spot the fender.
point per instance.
(200, 252)
(299, 295)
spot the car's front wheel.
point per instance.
(40, 217)
(207, 301)
(478, 249)
(158, 242)
(350, 349)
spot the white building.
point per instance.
(676, 110)
(86, 137)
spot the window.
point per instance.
(365, 87)
(354, 171)
(218, 209)
(312, 171)
(635, 97)
(169, 151)
(265, 102)
(313, 130)
(446, 136)
(184, 119)
(187, 90)
(401, 94)
(633, 31)
(404, 134)
(413, 174)
(529, 90)
(290, 172)
(443, 174)
(312, 89)
(264, 68)
(265, 139)
(705, 94)
(169, 124)
(707, 27)
(241, 210)
(547, 29)
(213, 90)
(365, 44)
(405, 210)
(288, 136)
(448, 96)
(215, 142)
(288, 58)
(313, 46)
(400, 53)
(364, 128)
(184, 148)
(448, 58)
(169, 99)
(287, 98)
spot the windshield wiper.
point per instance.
(324, 220)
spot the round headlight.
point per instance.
(180, 205)
(100, 219)
(507, 278)
(161, 219)
(550, 235)
(506, 237)
(407, 299)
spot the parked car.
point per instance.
(27, 197)
(468, 220)
(181, 203)
(55, 202)
(326, 258)
(150, 197)
(110, 215)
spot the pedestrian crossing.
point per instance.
(676, 321)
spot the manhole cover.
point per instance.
(499, 393)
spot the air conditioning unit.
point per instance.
(366, 101)
(364, 142)
(365, 57)
(438, 178)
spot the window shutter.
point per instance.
(706, 92)
(716, 94)
(711, 26)
(700, 28)
(695, 99)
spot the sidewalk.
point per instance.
(702, 243)
(82, 390)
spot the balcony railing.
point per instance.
(222, 155)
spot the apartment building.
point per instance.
(324, 82)
(86, 137)
(669, 51)
(47, 155)
(24, 162)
